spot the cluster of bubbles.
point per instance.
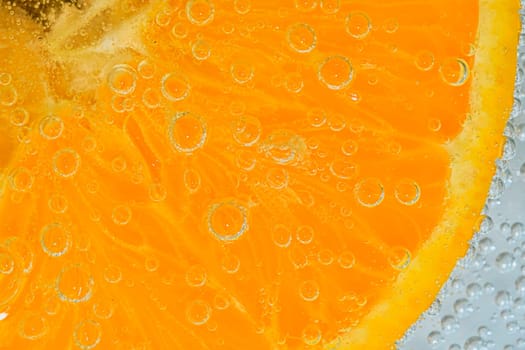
(482, 305)
(280, 152)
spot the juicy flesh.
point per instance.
(251, 174)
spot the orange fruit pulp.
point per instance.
(229, 174)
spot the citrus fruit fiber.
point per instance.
(211, 174)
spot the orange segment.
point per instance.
(221, 175)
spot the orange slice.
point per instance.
(210, 174)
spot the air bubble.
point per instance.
(23, 250)
(449, 324)
(192, 180)
(486, 225)
(7, 263)
(509, 149)
(425, 60)
(118, 164)
(312, 334)
(52, 305)
(335, 72)
(330, 6)
(104, 309)
(505, 262)
(391, 25)
(293, 82)
(157, 192)
(474, 343)
(434, 338)
(304, 234)
(21, 179)
(51, 127)
(301, 38)
(284, 147)
(112, 274)
(74, 284)
(227, 220)
(503, 299)
(230, 263)
(242, 7)
(121, 214)
(200, 12)
(305, 5)
(89, 144)
(5, 78)
(163, 18)
(309, 290)
(201, 50)
(512, 327)
(349, 147)
(407, 192)
(221, 301)
(281, 236)
(520, 285)
(187, 132)
(496, 189)
(517, 230)
(369, 192)
(245, 159)
(146, 69)
(196, 276)
(19, 116)
(346, 260)
(122, 79)
(246, 130)
(66, 162)
(151, 263)
(87, 334)
(474, 291)
(55, 239)
(358, 25)
(179, 30)
(57, 203)
(325, 256)
(454, 71)
(175, 87)
(150, 98)
(488, 288)
(242, 72)
(8, 95)
(343, 168)
(463, 308)
(399, 258)
(33, 326)
(277, 178)
(198, 312)
(434, 124)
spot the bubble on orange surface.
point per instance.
(66, 162)
(200, 12)
(301, 37)
(358, 25)
(55, 239)
(369, 192)
(187, 132)
(122, 79)
(335, 72)
(75, 283)
(227, 220)
(175, 87)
